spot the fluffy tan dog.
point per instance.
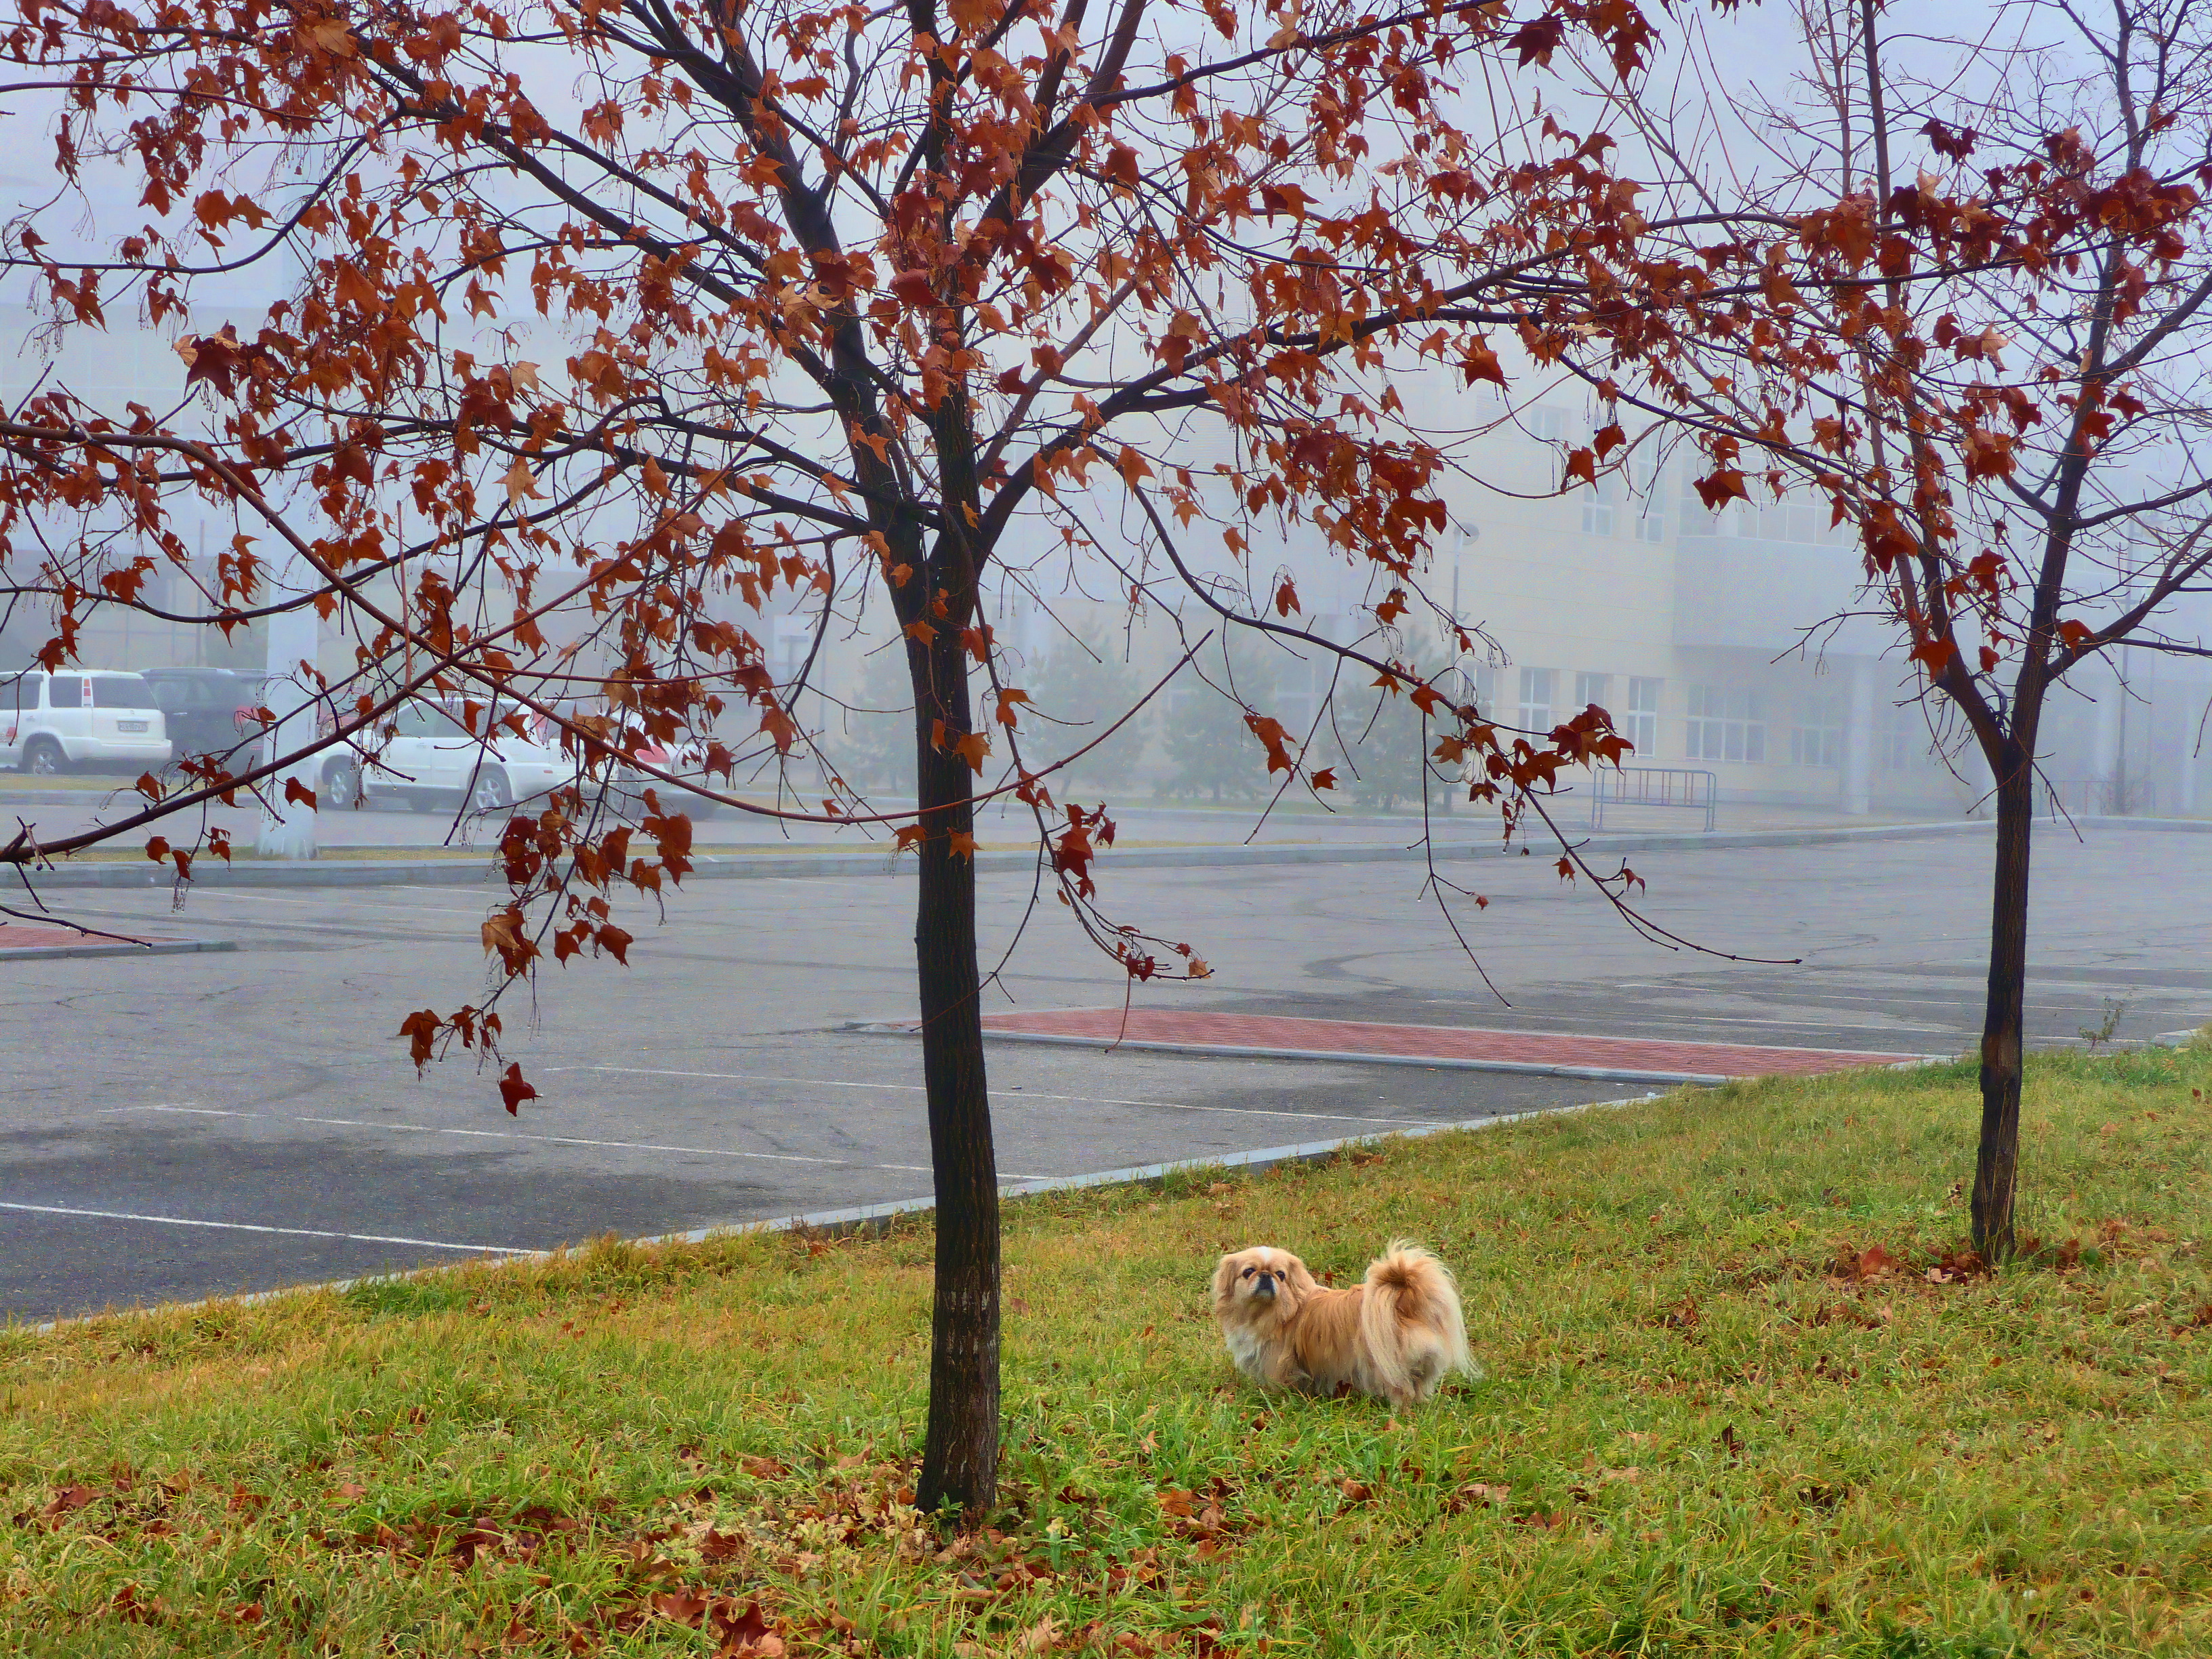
(1396, 1336)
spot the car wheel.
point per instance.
(488, 793)
(341, 786)
(44, 757)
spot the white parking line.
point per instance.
(249, 1227)
(1006, 1096)
(556, 1140)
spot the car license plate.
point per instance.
(130, 725)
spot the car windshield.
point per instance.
(199, 692)
(121, 691)
(491, 721)
(424, 719)
(181, 694)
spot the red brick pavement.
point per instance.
(1441, 1042)
(25, 936)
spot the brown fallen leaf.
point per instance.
(685, 1608)
(1477, 1494)
(1542, 1520)
(129, 1605)
(1874, 1261)
(742, 1632)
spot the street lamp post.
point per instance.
(288, 827)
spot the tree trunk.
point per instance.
(960, 1456)
(1997, 1167)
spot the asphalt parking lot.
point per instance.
(185, 1126)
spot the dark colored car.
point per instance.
(209, 711)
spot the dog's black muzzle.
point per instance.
(1264, 1284)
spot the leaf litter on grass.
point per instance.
(1767, 1423)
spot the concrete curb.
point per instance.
(165, 947)
(881, 1218)
(784, 866)
(1355, 1057)
(63, 797)
(479, 871)
(1348, 1057)
(2184, 826)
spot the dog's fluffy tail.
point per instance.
(1410, 1317)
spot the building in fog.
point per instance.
(1728, 642)
(1720, 642)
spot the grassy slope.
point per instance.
(1693, 1437)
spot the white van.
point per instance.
(52, 723)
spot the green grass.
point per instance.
(1694, 1435)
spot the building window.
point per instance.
(1816, 737)
(793, 639)
(1538, 687)
(1640, 725)
(1484, 675)
(1603, 506)
(1592, 689)
(1548, 424)
(1727, 726)
(1647, 487)
(1302, 682)
(1900, 742)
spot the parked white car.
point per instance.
(689, 763)
(432, 764)
(623, 786)
(93, 717)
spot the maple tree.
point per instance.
(844, 300)
(1965, 302)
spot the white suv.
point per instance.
(52, 723)
(431, 763)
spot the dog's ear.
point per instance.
(1301, 1281)
(1224, 1276)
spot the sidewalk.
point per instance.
(28, 941)
(1637, 1060)
(427, 865)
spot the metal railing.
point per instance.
(1680, 787)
